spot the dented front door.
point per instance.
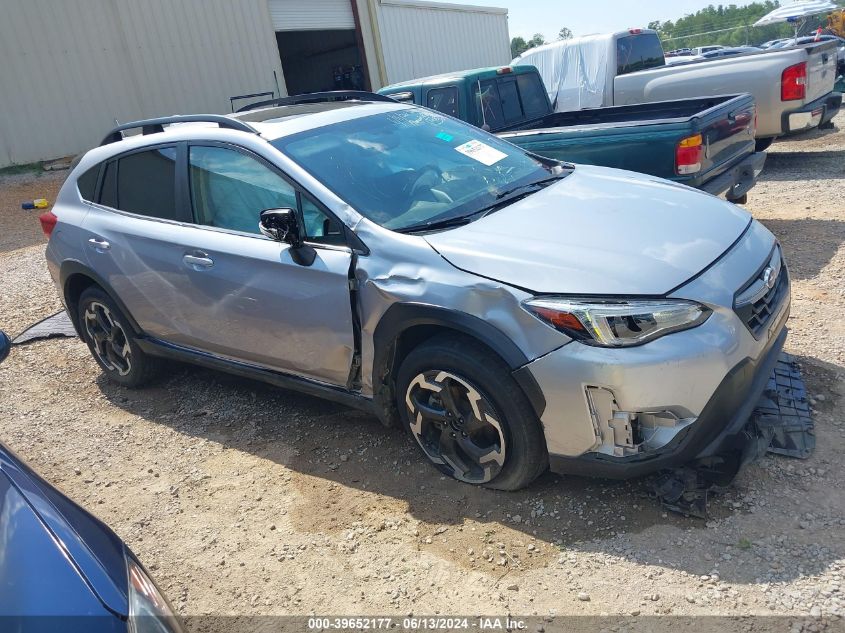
(247, 299)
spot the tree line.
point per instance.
(728, 25)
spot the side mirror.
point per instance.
(281, 225)
(5, 346)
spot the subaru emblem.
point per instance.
(769, 277)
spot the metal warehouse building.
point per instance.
(70, 68)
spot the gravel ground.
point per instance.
(245, 500)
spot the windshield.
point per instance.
(409, 167)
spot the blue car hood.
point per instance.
(598, 231)
(65, 545)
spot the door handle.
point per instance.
(99, 245)
(198, 262)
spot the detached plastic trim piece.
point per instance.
(58, 324)
(780, 424)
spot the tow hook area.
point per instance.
(780, 424)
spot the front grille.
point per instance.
(760, 299)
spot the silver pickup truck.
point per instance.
(793, 87)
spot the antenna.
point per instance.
(484, 125)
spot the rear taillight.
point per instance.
(793, 83)
(48, 222)
(688, 155)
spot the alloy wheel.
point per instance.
(108, 337)
(456, 426)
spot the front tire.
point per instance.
(467, 414)
(109, 336)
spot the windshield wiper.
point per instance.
(502, 198)
(513, 194)
(539, 184)
(438, 224)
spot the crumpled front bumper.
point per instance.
(628, 412)
(719, 425)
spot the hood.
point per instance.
(598, 231)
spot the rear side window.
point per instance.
(511, 107)
(533, 95)
(146, 183)
(443, 100)
(87, 183)
(510, 100)
(638, 52)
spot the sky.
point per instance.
(527, 17)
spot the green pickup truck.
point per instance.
(705, 142)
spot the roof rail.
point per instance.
(152, 126)
(317, 97)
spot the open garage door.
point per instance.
(319, 45)
(311, 15)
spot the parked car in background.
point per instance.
(682, 59)
(61, 568)
(801, 41)
(793, 87)
(707, 143)
(770, 43)
(513, 312)
(701, 50)
(730, 52)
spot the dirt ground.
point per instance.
(243, 499)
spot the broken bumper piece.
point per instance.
(58, 324)
(780, 423)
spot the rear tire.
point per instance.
(112, 342)
(762, 144)
(468, 415)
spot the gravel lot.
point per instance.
(245, 500)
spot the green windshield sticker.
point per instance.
(445, 137)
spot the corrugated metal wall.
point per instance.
(68, 68)
(427, 38)
(311, 15)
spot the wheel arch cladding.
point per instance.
(404, 326)
(75, 279)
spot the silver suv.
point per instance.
(514, 313)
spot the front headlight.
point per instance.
(149, 610)
(617, 323)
